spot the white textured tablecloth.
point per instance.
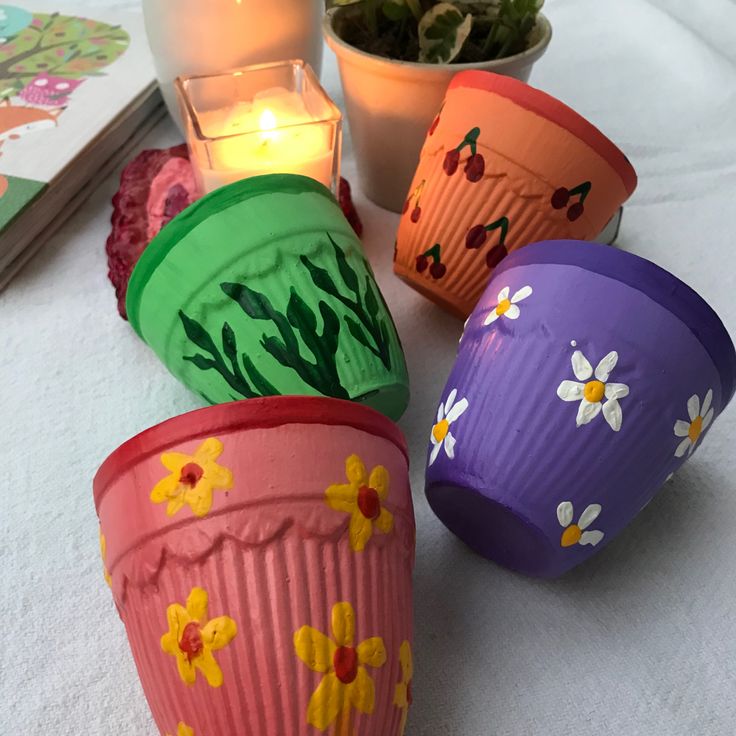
(640, 640)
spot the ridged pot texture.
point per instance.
(575, 394)
(503, 165)
(260, 556)
(262, 288)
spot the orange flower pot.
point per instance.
(503, 165)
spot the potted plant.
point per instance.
(396, 60)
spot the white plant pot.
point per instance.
(210, 36)
(391, 104)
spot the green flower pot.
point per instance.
(262, 288)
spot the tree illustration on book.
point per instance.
(65, 48)
(44, 58)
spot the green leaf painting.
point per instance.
(321, 372)
(369, 328)
(232, 373)
(303, 338)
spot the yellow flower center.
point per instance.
(571, 535)
(503, 307)
(594, 391)
(696, 427)
(440, 430)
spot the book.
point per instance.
(77, 92)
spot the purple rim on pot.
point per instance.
(639, 273)
(537, 471)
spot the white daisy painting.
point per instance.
(447, 414)
(594, 391)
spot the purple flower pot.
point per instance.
(585, 377)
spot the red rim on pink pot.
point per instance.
(503, 165)
(260, 556)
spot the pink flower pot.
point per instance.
(260, 555)
(503, 165)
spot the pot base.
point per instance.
(390, 400)
(433, 292)
(493, 530)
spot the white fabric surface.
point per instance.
(640, 640)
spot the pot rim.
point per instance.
(391, 66)
(265, 412)
(169, 236)
(554, 110)
(671, 293)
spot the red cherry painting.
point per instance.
(496, 255)
(422, 263)
(476, 237)
(452, 161)
(437, 270)
(575, 211)
(475, 167)
(560, 198)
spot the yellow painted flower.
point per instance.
(192, 638)
(402, 694)
(346, 682)
(362, 498)
(193, 479)
(103, 552)
(183, 730)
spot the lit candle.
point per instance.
(277, 130)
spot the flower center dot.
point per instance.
(594, 391)
(190, 474)
(571, 535)
(696, 427)
(503, 307)
(345, 662)
(440, 430)
(191, 640)
(368, 502)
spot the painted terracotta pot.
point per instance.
(585, 377)
(503, 165)
(262, 288)
(260, 556)
(391, 103)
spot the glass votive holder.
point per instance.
(263, 119)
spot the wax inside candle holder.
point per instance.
(272, 118)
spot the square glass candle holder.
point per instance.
(262, 119)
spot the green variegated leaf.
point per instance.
(442, 32)
(396, 10)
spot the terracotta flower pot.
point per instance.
(262, 288)
(585, 377)
(503, 165)
(260, 555)
(391, 103)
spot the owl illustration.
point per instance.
(46, 89)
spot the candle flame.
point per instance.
(268, 125)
